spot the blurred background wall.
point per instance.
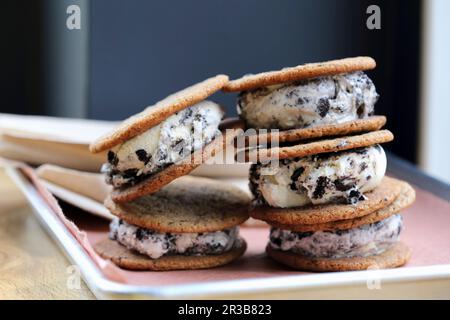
(20, 56)
(434, 145)
(129, 54)
(44, 64)
(144, 50)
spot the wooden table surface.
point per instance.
(31, 264)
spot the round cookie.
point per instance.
(305, 71)
(372, 123)
(155, 114)
(396, 256)
(316, 147)
(381, 197)
(158, 180)
(404, 200)
(127, 259)
(188, 205)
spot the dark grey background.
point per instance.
(143, 50)
(140, 51)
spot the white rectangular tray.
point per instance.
(412, 282)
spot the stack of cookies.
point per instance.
(190, 223)
(323, 189)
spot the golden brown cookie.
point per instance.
(188, 205)
(404, 200)
(394, 257)
(381, 197)
(305, 71)
(372, 123)
(316, 147)
(155, 114)
(127, 259)
(158, 180)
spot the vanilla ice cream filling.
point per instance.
(170, 141)
(324, 100)
(333, 177)
(156, 244)
(362, 241)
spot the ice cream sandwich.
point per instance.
(340, 170)
(323, 188)
(191, 223)
(163, 142)
(337, 237)
(332, 211)
(371, 241)
(310, 101)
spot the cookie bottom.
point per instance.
(394, 257)
(379, 198)
(404, 200)
(372, 123)
(127, 259)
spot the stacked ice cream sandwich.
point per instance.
(323, 189)
(163, 224)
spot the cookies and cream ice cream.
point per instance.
(170, 141)
(362, 241)
(323, 100)
(156, 244)
(323, 178)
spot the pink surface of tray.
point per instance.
(427, 232)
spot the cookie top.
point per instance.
(127, 259)
(404, 199)
(158, 180)
(394, 257)
(316, 147)
(155, 114)
(188, 205)
(381, 197)
(305, 71)
(372, 123)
